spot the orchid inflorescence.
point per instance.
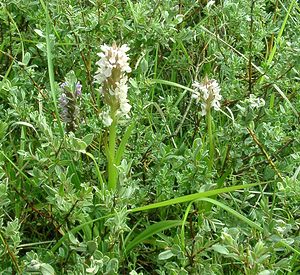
(208, 94)
(69, 105)
(255, 102)
(111, 75)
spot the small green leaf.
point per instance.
(112, 266)
(88, 139)
(23, 123)
(91, 246)
(39, 33)
(78, 144)
(26, 58)
(265, 272)
(47, 269)
(220, 249)
(144, 65)
(3, 128)
(71, 79)
(72, 239)
(165, 255)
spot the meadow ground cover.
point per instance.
(149, 137)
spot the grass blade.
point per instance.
(150, 231)
(271, 56)
(75, 230)
(183, 224)
(170, 83)
(123, 143)
(232, 211)
(246, 220)
(50, 68)
(192, 197)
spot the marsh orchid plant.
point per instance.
(113, 68)
(207, 93)
(69, 101)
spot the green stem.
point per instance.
(112, 170)
(211, 141)
(101, 181)
(10, 253)
(50, 68)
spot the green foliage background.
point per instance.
(54, 216)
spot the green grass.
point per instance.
(163, 190)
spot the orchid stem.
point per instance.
(112, 170)
(211, 141)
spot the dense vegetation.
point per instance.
(199, 176)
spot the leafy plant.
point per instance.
(180, 187)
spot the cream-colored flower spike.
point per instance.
(111, 75)
(255, 102)
(208, 94)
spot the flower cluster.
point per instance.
(255, 102)
(111, 75)
(68, 104)
(208, 93)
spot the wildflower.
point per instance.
(107, 120)
(111, 75)
(63, 102)
(210, 3)
(255, 102)
(69, 105)
(208, 93)
(78, 89)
